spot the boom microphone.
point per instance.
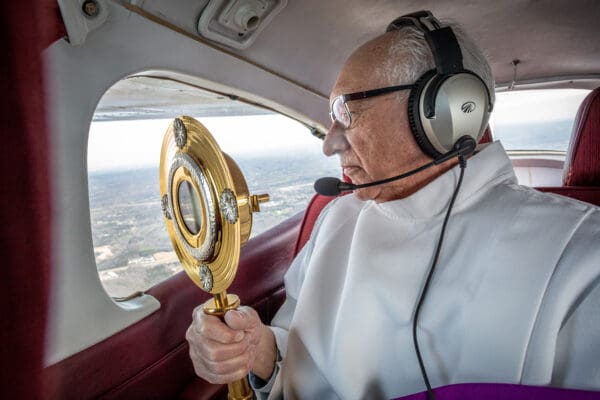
(330, 186)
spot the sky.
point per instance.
(537, 105)
(119, 145)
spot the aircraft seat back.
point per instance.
(582, 164)
(581, 173)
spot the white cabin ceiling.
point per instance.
(309, 40)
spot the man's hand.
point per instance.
(226, 352)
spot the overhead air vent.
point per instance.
(237, 23)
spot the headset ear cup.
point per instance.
(414, 118)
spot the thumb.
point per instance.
(242, 318)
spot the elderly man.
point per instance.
(514, 298)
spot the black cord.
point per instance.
(430, 395)
(393, 178)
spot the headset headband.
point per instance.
(442, 41)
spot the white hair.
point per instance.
(410, 47)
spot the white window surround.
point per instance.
(539, 172)
(81, 314)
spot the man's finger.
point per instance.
(227, 378)
(242, 318)
(226, 371)
(215, 351)
(211, 327)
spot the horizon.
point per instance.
(135, 144)
(115, 145)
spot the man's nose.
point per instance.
(335, 141)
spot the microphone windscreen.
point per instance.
(328, 186)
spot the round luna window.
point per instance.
(189, 205)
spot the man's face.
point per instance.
(378, 144)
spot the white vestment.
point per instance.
(515, 297)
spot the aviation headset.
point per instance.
(449, 104)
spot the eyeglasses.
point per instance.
(339, 109)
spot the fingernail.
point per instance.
(239, 336)
(232, 314)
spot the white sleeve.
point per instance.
(577, 353)
(564, 346)
(280, 324)
(577, 362)
(293, 280)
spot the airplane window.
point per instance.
(133, 252)
(536, 119)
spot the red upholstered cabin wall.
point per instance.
(581, 165)
(26, 28)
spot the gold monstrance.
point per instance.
(208, 212)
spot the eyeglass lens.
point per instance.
(339, 112)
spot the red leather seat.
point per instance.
(581, 175)
(487, 136)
